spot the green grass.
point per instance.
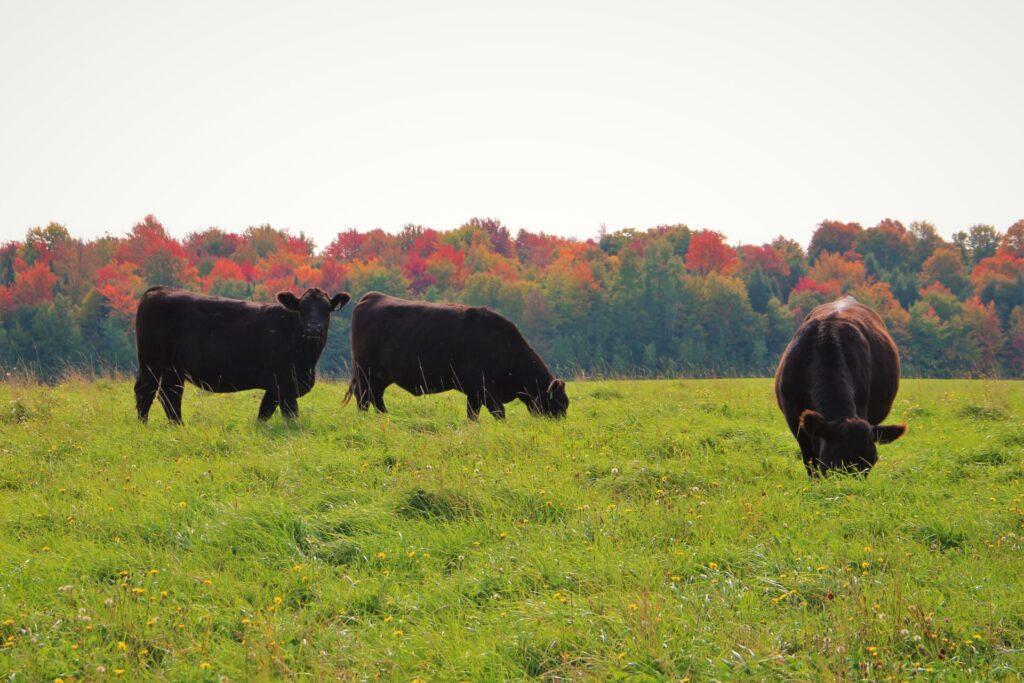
(665, 530)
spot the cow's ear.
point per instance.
(888, 433)
(339, 300)
(288, 300)
(555, 385)
(814, 424)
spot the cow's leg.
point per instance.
(268, 405)
(172, 388)
(473, 404)
(146, 386)
(362, 391)
(807, 450)
(377, 395)
(375, 388)
(806, 444)
(290, 407)
(496, 407)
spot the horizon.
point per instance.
(747, 119)
(319, 245)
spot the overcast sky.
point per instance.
(753, 118)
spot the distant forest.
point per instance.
(666, 301)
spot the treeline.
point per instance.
(664, 301)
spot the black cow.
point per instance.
(225, 345)
(428, 348)
(835, 383)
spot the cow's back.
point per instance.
(841, 350)
(406, 339)
(221, 344)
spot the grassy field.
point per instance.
(664, 531)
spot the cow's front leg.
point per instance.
(496, 407)
(290, 407)
(810, 458)
(146, 387)
(473, 404)
(170, 394)
(268, 405)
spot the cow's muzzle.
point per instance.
(314, 332)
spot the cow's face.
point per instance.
(553, 402)
(314, 309)
(848, 445)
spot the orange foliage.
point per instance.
(223, 269)
(709, 253)
(1001, 268)
(121, 287)
(1012, 243)
(33, 284)
(332, 276)
(832, 268)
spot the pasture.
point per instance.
(665, 531)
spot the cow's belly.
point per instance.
(419, 386)
(216, 370)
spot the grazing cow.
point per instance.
(428, 348)
(225, 345)
(835, 383)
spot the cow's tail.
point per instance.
(350, 392)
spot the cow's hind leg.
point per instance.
(362, 393)
(172, 388)
(268, 405)
(375, 387)
(377, 395)
(146, 386)
(290, 407)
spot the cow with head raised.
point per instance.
(836, 383)
(225, 345)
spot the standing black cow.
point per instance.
(225, 345)
(835, 383)
(428, 348)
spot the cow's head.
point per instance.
(847, 445)
(552, 402)
(314, 309)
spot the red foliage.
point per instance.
(536, 249)
(709, 253)
(346, 245)
(764, 257)
(33, 284)
(425, 244)
(833, 236)
(223, 269)
(415, 271)
(1001, 267)
(332, 276)
(121, 287)
(827, 289)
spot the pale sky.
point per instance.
(753, 118)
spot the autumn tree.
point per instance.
(833, 236)
(708, 253)
(945, 267)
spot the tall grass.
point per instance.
(665, 530)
